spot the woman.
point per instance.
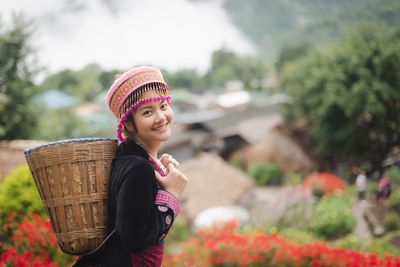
(142, 190)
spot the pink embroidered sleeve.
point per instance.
(167, 199)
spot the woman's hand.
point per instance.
(174, 182)
(166, 159)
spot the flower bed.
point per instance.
(225, 246)
(32, 243)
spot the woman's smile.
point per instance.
(161, 128)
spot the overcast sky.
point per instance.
(172, 34)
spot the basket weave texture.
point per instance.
(72, 179)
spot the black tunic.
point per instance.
(138, 209)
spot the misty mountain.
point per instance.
(272, 24)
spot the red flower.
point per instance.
(324, 182)
(217, 247)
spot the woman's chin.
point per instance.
(164, 136)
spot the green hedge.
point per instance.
(332, 217)
(18, 193)
(394, 199)
(394, 173)
(392, 221)
(265, 173)
(383, 246)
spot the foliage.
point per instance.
(226, 65)
(85, 83)
(59, 124)
(17, 70)
(185, 78)
(289, 54)
(348, 242)
(322, 183)
(106, 78)
(265, 173)
(293, 178)
(332, 217)
(298, 236)
(297, 216)
(394, 173)
(180, 231)
(18, 193)
(351, 92)
(383, 245)
(394, 200)
(32, 243)
(224, 246)
(392, 221)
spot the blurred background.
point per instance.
(284, 103)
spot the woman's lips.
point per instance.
(161, 128)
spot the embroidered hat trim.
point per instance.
(129, 82)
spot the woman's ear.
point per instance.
(129, 126)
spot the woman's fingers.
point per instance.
(165, 159)
(174, 182)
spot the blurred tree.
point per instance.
(185, 78)
(106, 78)
(289, 54)
(59, 124)
(226, 65)
(17, 69)
(82, 83)
(350, 97)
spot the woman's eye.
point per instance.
(164, 106)
(147, 113)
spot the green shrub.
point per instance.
(383, 246)
(298, 236)
(332, 217)
(18, 193)
(297, 215)
(293, 178)
(179, 231)
(394, 200)
(265, 173)
(348, 242)
(392, 221)
(371, 189)
(394, 173)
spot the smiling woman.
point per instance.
(151, 123)
(143, 189)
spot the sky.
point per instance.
(120, 34)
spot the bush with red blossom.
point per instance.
(32, 243)
(225, 246)
(322, 183)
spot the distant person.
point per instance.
(143, 188)
(384, 189)
(361, 184)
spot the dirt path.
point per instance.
(361, 230)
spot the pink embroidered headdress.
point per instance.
(124, 96)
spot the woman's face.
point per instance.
(153, 122)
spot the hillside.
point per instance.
(272, 24)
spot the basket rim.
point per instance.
(27, 151)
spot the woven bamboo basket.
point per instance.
(72, 179)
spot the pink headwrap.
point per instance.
(124, 95)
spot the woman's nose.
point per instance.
(160, 116)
